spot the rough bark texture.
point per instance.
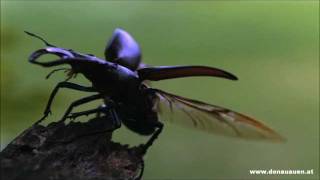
(60, 151)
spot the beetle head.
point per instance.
(77, 61)
(61, 53)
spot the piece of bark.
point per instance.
(75, 151)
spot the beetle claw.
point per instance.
(45, 115)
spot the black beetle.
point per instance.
(120, 82)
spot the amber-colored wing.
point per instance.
(210, 118)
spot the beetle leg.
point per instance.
(154, 136)
(108, 110)
(79, 102)
(116, 124)
(97, 110)
(149, 143)
(115, 118)
(55, 90)
(141, 171)
(110, 113)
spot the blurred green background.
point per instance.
(272, 46)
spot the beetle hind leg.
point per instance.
(141, 171)
(79, 102)
(154, 136)
(146, 146)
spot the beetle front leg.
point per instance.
(64, 84)
(79, 102)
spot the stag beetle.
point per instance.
(120, 81)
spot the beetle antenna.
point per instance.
(38, 37)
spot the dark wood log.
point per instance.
(76, 151)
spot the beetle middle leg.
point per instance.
(79, 102)
(109, 114)
(63, 84)
(97, 110)
(108, 110)
(116, 123)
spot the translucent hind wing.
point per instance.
(210, 118)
